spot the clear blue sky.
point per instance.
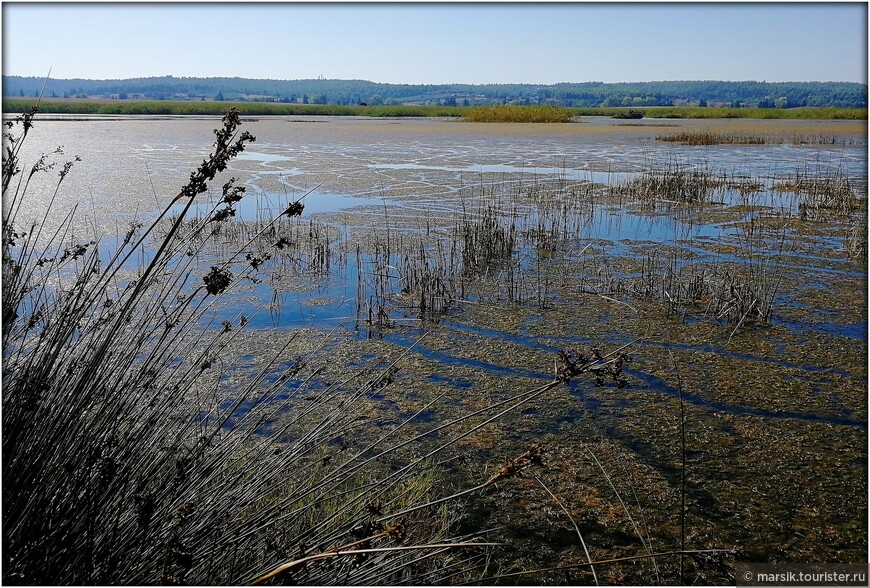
(440, 43)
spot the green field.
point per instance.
(166, 107)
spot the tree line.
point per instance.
(347, 92)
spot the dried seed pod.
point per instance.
(217, 280)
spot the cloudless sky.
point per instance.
(441, 43)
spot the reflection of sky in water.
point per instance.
(278, 174)
(597, 177)
(261, 157)
(126, 163)
(616, 224)
(134, 166)
(336, 305)
(330, 301)
(255, 207)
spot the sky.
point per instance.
(440, 43)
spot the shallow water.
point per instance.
(410, 168)
(266, 206)
(130, 165)
(366, 182)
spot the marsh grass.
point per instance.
(287, 245)
(517, 114)
(486, 238)
(676, 184)
(738, 289)
(713, 138)
(717, 138)
(695, 112)
(832, 197)
(855, 239)
(135, 452)
(824, 196)
(504, 244)
(732, 293)
(140, 454)
(746, 186)
(521, 245)
(212, 108)
(506, 113)
(735, 289)
(798, 139)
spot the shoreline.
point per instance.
(161, 108)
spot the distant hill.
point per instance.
(322, 91)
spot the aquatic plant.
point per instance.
(855, 237)
(375, 284)
(131, 456)
(486, 252)
(696, 112)
(676, 184)
(517, 114)
(762, 271)
(714, 138)
(824, 196)
(485, 239)
(73, 106)
(708, 137)
(137, 450)
(217, 108)
(736, 293)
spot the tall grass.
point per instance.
(517, 114)
(500, 247)
(212, 108)
(740, 292)
(814, 113)
(130, 454)
(736, 291)
(676, 184)
(707, 137)
(713, 138)
(137, 451)
(520, 113)
(825, 196)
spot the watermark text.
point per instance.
(800, 574)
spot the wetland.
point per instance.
(706, 303)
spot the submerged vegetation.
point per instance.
(825, 197)
(132, 452)
(652, 370)
(135, 450)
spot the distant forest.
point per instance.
(346, 92)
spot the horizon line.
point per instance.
(321, 79)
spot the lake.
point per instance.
(733, 274)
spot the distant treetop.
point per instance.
(345, 92)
